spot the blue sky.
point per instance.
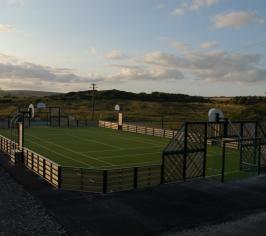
(197, 47)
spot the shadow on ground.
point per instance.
(161, 210)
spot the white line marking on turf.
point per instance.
(69, 150)
(135, 138)
(94, 141)
(124, 149)
(65, 156)
(128, 155)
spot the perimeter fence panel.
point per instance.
(4, 123)
(119, 180)
(81, 179)
(196, 150)
(72, 123)
(249, 130)
(243, 162)
(54, 121)
(215, 130)
(185, 156)
(47, 169)
(173, 167)
(214, 162)
(82, 123)
(147, 176)
(64, 122)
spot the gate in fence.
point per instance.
(220, 150)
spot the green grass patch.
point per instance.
(106, 148)
(94, 147)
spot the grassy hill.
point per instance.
(25, 93)
(140, 107)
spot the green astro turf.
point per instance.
(232, 164)
(94, 147)
(106, 148)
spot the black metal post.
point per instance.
(241, 129)
(259, 154)
(162, 169)
(59, 176)
(223, 163)
(256, 129)
(50, 116)
(59, 117)
(136, 169)
(205, 150)
(105, 173)
(93, 100)
(225, 129)
(185, 153)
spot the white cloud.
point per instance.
(201, 65)
(13, 2)
(23, 74)
(178, 11)
(197, 4)
(115, 55)
(93, 51)
(212, 66)
(180, 46)
(5, 28)
(208, 45)
(236, 19)
(153, 72)
(193, 5)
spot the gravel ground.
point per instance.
(254, 225)
(21, 214)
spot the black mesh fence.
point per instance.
(110, 180)
(4, 123)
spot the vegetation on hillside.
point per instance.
(141, 107)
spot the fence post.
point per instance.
(136, 169)
(205, 150)
(68, 124)
(59, 177)
(185, 153)
(241, 129)
(44, 167)
(223, 162)
(258, 143)
(32, 161)
(77, 123)
(51, 173)
(105, 173)
(256, 129)
(81, 179)
(162, 169)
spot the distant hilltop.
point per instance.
(123, 95)
(26, 93)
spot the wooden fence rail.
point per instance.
(166, 133)
(47, 169)
(82, 179)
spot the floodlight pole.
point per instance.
(93, 100)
